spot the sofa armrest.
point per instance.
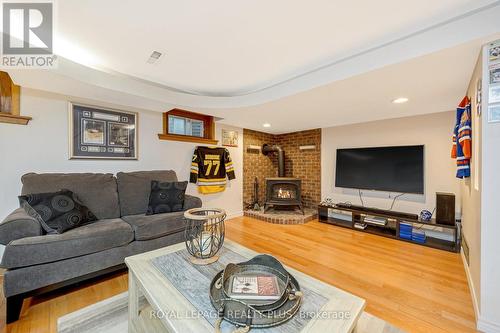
(18, 225)
(191, 202)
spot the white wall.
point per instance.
(433, 130)
(489, 319)
(42, 146)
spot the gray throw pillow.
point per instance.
(57, 212)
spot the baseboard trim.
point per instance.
(234, 215)
(475, 302)
(482, 324)
(487, 326)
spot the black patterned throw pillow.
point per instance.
(166, 197)
(57, 212)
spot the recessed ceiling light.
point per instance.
(266, 125)
(154, 57)
(400, 100)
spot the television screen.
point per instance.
(393, 169)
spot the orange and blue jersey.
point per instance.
(462, 139)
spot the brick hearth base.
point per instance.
(283, 216)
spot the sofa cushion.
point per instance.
(97, 191)
(154, 226)
(91, 238)
(134, 189)
(58, 211)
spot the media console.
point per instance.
(397, 225)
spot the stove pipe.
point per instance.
(266, 149)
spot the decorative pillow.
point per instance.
(57, 212)
(166, 197)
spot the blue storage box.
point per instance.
(418, 236)
(405, 230)
(405, 235)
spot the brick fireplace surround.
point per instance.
(303, 164)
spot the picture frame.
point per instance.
(494, 53)
(102, 133)
(494, 113)
(495, 73)
(494, 95)
(229, 138)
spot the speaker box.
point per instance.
(445, 208)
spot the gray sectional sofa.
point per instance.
(37, 263)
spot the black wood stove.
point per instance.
(282, 191)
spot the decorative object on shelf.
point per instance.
(204, 234)
(99, 133)
(229, 138)
(209, 168)
(425, 215)
(328, 202)
(10, 101)
(262, 312)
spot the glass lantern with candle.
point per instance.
(204, 234)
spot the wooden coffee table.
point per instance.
(169, 306)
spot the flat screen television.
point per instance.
(392, 169)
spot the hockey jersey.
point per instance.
(210, 167)
(462, 139)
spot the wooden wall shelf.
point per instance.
(10, 101)
(208, 128)
(186, 138)
(13, 119)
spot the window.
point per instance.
(182, 125)
(185, 126)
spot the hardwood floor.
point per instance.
(416, 288)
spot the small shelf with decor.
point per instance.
(10, 101)
(396, 225)
(187, 126)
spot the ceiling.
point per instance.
(294, 64)
(228, 47)
(432, 83)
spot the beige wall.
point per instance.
(470, 190)
(433, 130)
(42, 146)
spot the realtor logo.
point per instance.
(27, 34)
